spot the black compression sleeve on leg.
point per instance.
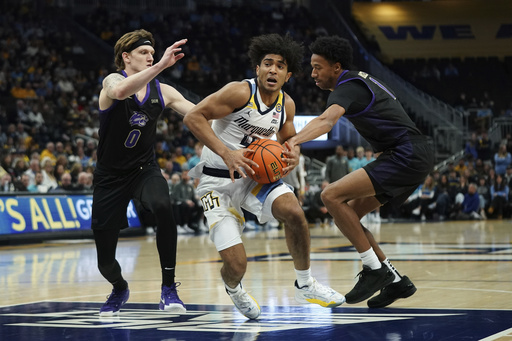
(106, 244)
(155, 197)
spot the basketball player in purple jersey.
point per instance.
(130, 103)
(406, 158)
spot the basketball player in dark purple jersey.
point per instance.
(130, 103)
(405, 158)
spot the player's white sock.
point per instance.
(303, 277)
(235, 289)
(393, 270)
(369, 258)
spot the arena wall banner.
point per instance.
(437, 29)
(50, 213)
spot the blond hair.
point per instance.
(126, 41)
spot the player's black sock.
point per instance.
(120, 285)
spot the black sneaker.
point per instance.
(370, 281)
(402, 289)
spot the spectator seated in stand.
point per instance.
(66, 185)
(502, 159)
(499, 198)
(484, 192)
(316, 211)
(6, 184)
(470, 206)
(444, 201)
(188, 211)
(426, 199)
(85, 181)
(22, 184)
(37, 186)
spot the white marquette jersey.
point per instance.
(237, 130)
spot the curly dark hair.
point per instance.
(289, 49)
(334, 49)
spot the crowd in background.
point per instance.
(476, 187)
(49, 89)
(218, 40)
(49, 108)
(458, 82)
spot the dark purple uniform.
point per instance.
(407, 155)
(126, 161)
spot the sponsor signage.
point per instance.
(50, 213)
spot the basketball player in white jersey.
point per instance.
(241, 112)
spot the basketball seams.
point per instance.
(277, 157)
(266, 152)
(262, 157)
(274, 158)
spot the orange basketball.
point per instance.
(267, 154)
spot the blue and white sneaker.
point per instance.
(114, 302)
(169, 300)
(317, 293)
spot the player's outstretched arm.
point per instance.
(115, 86)
(290, 155)
(318, 126)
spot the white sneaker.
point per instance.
(476, 216)
(317, 293)
(202, 227)
(376, 218)
(246, 304)
(188, 229)
(371, 217)
(272, 224)
(251, 225)
(180, 229)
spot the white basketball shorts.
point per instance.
(223, 201)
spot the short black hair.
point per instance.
(334, 49)
(289, 49)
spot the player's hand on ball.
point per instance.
(268, 156)
(290, 158)
(237, 161)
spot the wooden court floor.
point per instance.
(463, 272)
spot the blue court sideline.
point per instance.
(79, 321)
